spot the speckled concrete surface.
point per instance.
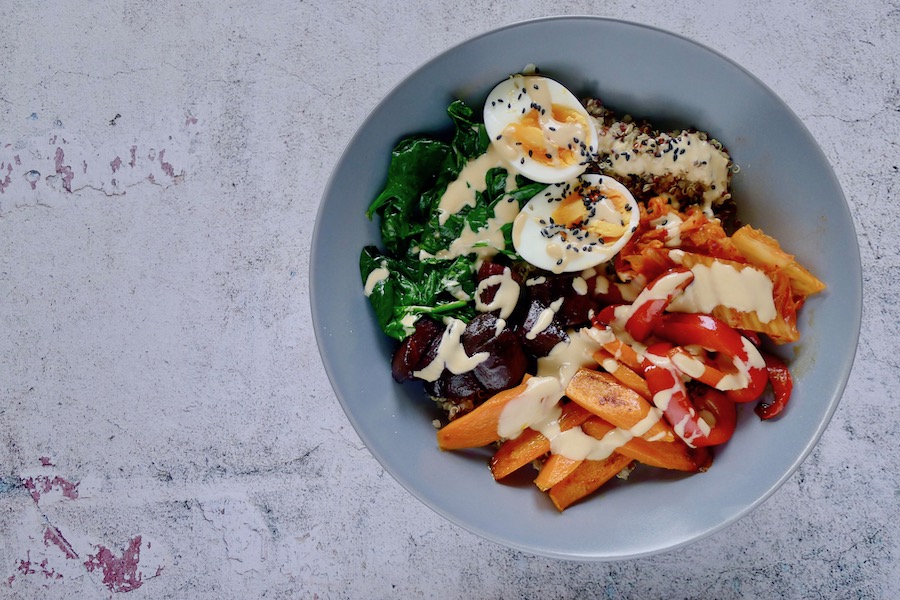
(166, 429)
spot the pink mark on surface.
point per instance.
(133, 160)
(64, 170)
(190, 120)
(49, 573)
(165, 166)
(43, 484)
(18, 161)
(24, 567)
(27, 567)
(53, 536)
(4, 183)
(84, 166)
(115, 164)
(120, 574)
(46, 461)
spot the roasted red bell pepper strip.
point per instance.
(782, 386)
(719, 412)
(671, 396)
(640, 317)
(752, 336)
(606, 316)
(648, 307)
(713, 334)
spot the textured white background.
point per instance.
(160, 390)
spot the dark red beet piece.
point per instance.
(507, 362)
(576, 307)
(489, 269)
(479, 331)
(412, 352)
(506, 365)
(543, 341)
(460, 386)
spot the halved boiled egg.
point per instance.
(539, 128)
(576, 225)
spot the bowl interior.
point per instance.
(785, 186)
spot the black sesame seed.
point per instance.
(499, 136)
(522, 162)
(548, 155)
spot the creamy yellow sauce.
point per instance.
(472, 179)
(687, 155)
(451, 354)
(746, 289)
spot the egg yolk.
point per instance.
(573, 212)
(557, 138)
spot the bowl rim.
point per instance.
(843, 375)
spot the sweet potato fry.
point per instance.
(624, 374)
(531, 444)
(625, 354)
(586, 479)
(666, 455)
(479, 427)
(556, 468)
(605, 397)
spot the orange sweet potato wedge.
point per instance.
(479, 427)
(605, 397)
(556, 468)
(625, 375)
(586, 479)
(674, 455)
(624, 353)
(530, 445)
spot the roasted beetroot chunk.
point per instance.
(577, 301)
(489, 294)
(507, 362)
(461, 386)
(412, 353)
(539, 337)
(506, 365)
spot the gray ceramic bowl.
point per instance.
(785, 186)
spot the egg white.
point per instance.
(556, 248)
(512, 101)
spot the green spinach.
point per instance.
(409, 278)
